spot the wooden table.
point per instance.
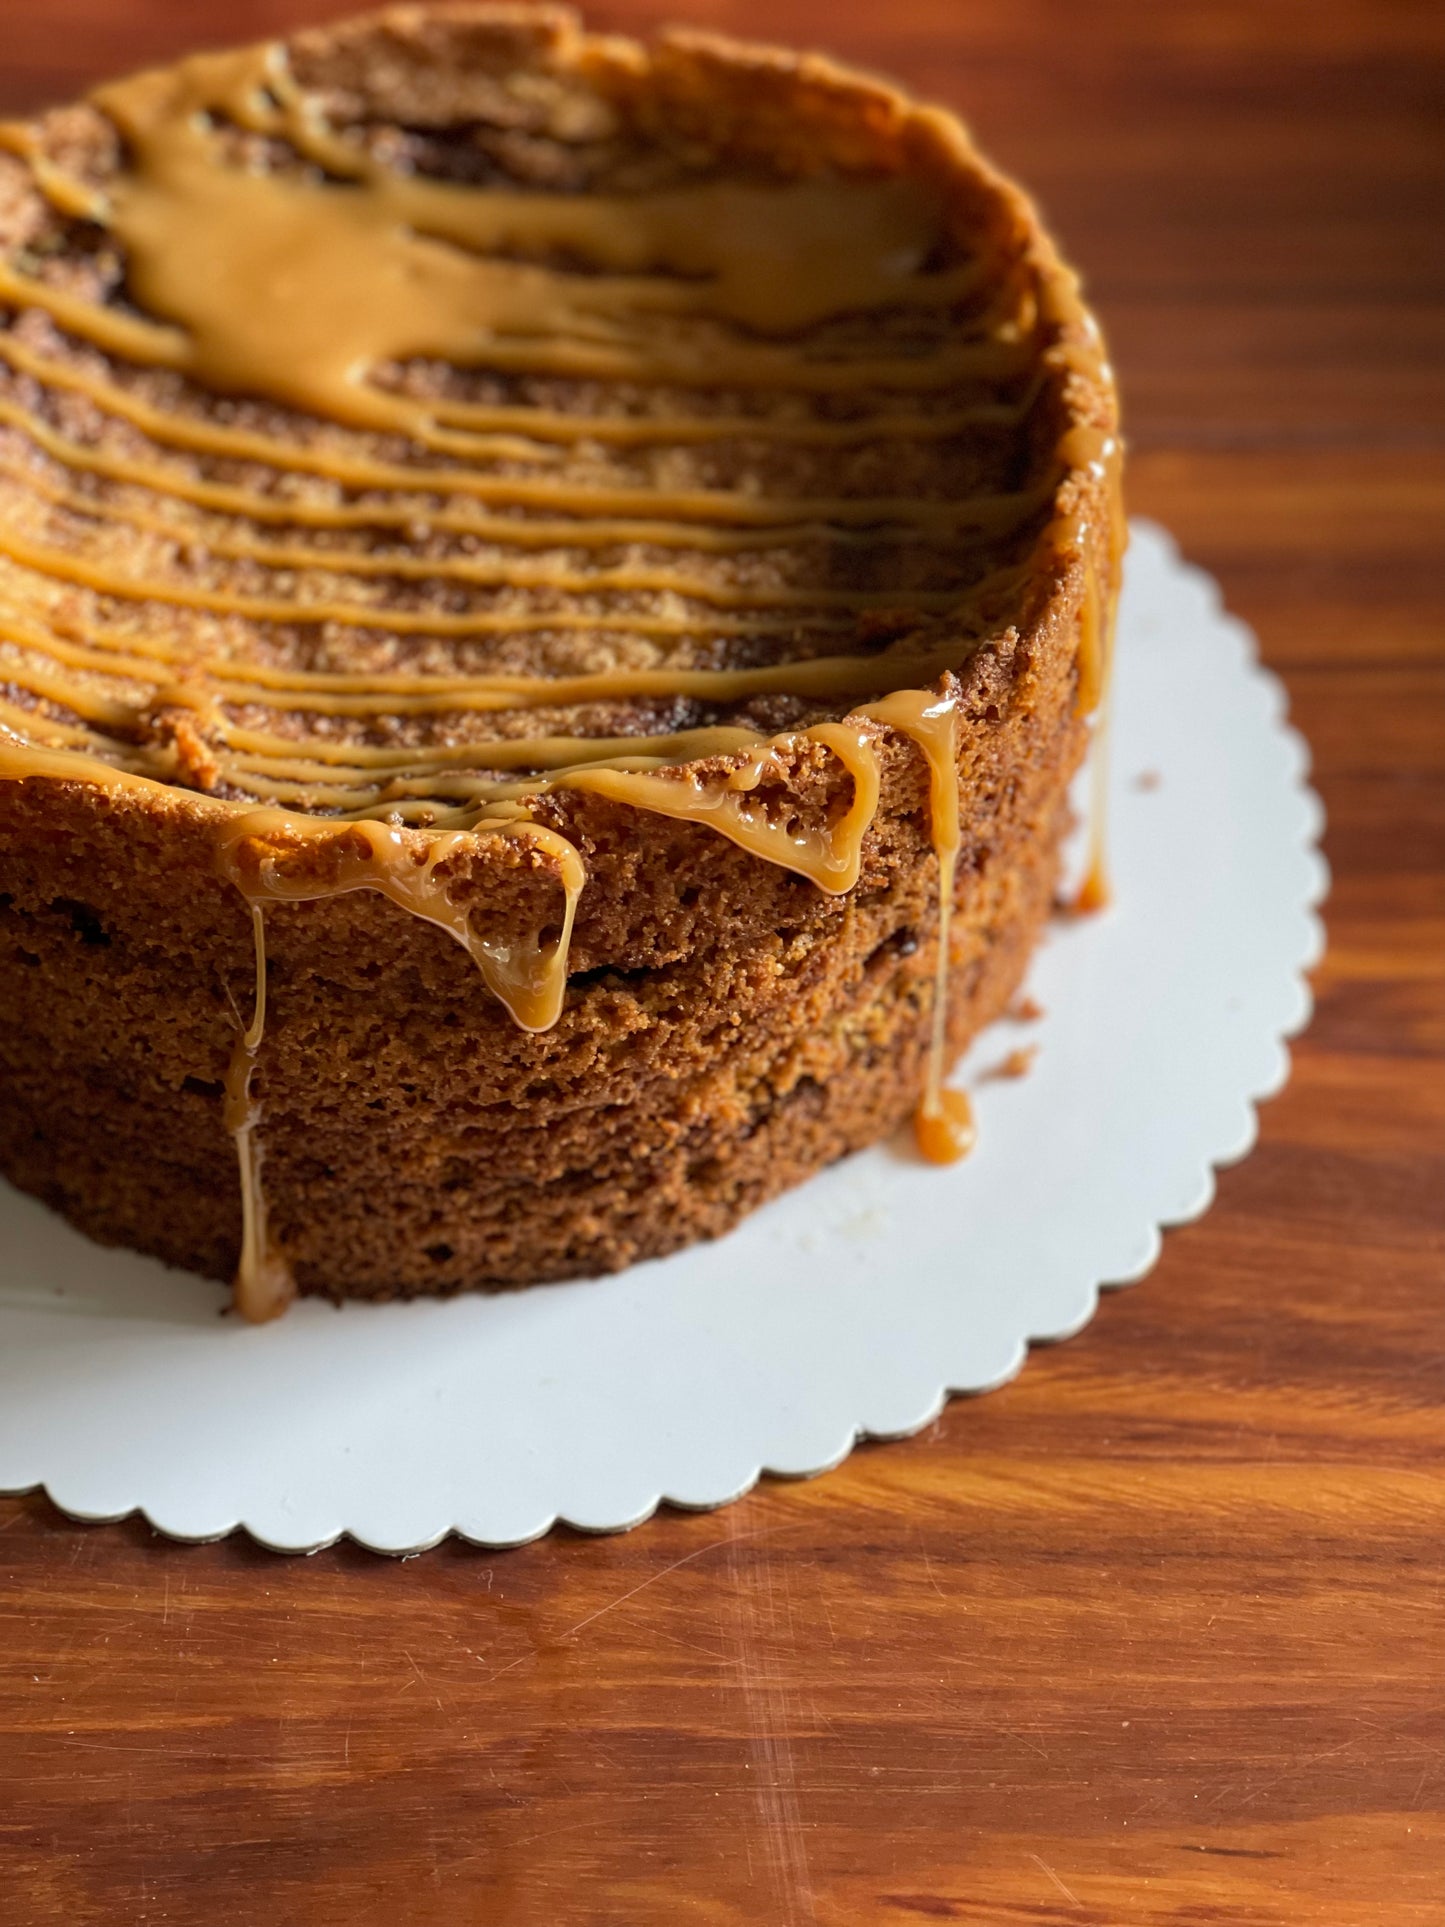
(1155, 1635)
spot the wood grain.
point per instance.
(1153, 1636)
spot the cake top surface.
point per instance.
(414, 415)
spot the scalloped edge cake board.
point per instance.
(850, 1308)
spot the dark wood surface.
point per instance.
(1154, 1635)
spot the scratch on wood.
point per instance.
(1044, 1867)
(642, 1586)
(775, 1785)
(928, 1568)
(652, 1579)
(422, 1678)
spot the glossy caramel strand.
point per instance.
(931, 721)
(264, 1282)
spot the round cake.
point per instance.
(551, 593)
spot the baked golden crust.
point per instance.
(727, 1025)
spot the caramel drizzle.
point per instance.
(529, 978)
(429, 256)
(943, 1122)
(610, 505)
(521, 532)
(264, 1282)
(405, 567)
(1097, 621)
(524, 433)
(298, 288)
(59, 565)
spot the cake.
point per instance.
(551, 594)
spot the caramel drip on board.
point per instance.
(302, 284)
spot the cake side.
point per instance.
(783, 1029)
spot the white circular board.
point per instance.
(851, 1307)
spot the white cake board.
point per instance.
(850, 1308)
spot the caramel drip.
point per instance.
(1093, 663)
(1098, 455)
(308, 287)
(830, 858)
(942, 1123)
(1095, 892)
(264, 1284)
(528, 977)
(946, 1134)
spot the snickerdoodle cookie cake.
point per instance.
(551, 591)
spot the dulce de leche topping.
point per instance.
(374, 498)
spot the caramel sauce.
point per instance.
(264, 1284)
(762, 527)
(1096, 642)
(530, 979)
(1095, 891)
(301, 286)
(932, 723)
(298, 286)
(945, 1133)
